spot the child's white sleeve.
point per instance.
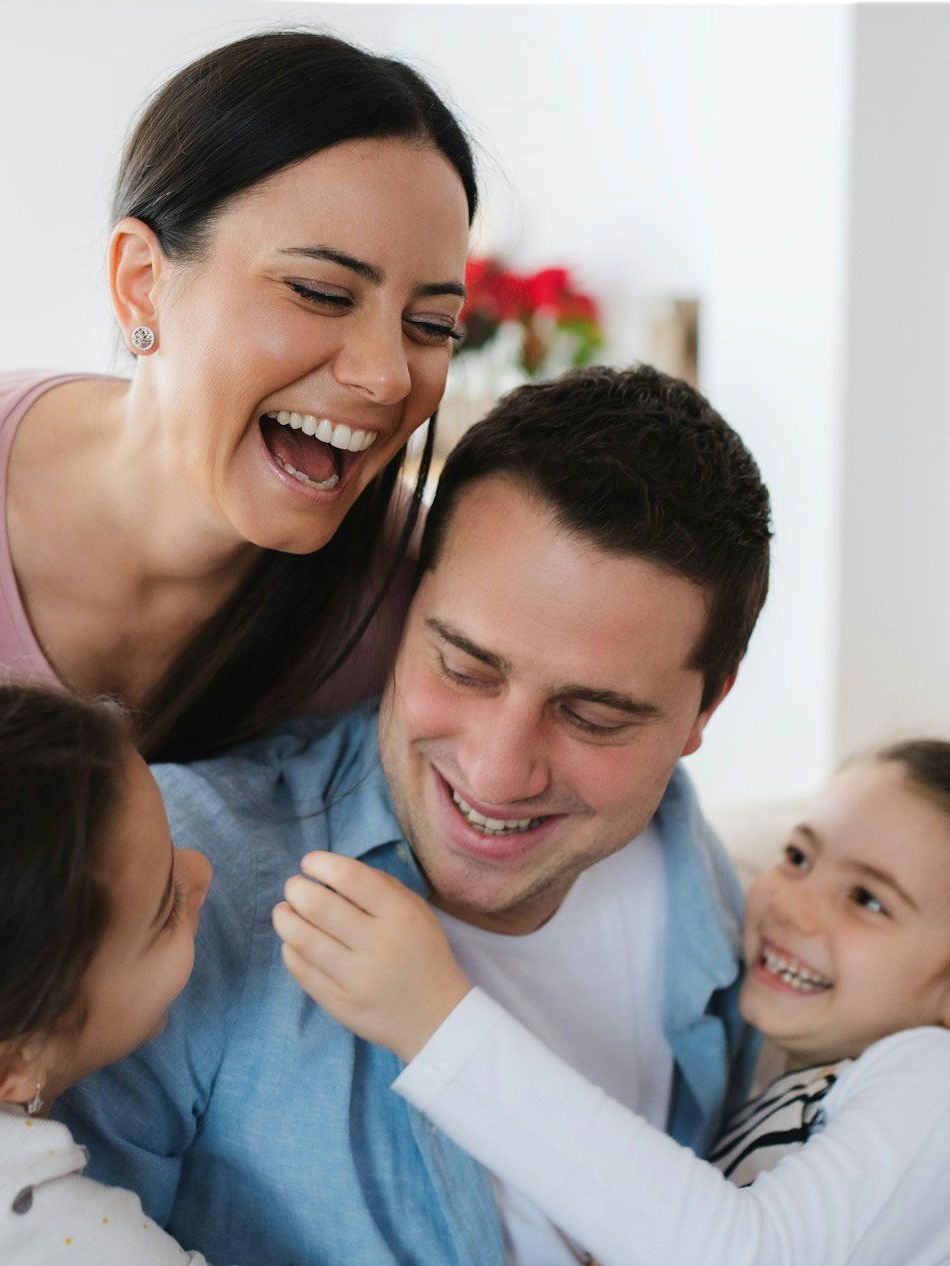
(871, 1190)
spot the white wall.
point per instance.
(894, 671)
(657, 151)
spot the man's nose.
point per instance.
(504, 758)
(372, 357)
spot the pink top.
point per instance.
(22, 657)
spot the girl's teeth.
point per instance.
(339, 436)
(493, 826)
(798, 977)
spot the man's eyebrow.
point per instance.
(458, 639)
(370, 272)
(585, 694)
(610, 699)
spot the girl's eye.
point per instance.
(325, 298)
(796, 856)
(867, 900)
(178, 906)
(435, 332)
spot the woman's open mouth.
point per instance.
(316, 452)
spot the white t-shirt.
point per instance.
(872, 1188)
(50, 1215)
(589, 985)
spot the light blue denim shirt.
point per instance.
(260, 1131)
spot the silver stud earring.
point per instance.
(36, 1103)
(142, 339)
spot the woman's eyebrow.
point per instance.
(369, 272)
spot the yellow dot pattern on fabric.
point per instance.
(68, 1239)
(28, 1123)
(105, 1220)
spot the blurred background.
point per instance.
(758, 196)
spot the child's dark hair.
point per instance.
(61, 766)
(926, 764)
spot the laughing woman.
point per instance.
(213, 539)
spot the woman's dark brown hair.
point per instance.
(220, 126)
(62, 762)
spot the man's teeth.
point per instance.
(798, 977)
(324, 486)
(493, 826)
(339, 436)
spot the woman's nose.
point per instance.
(372, 359)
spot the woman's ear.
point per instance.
(136, 265)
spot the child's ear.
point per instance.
(22, 1070)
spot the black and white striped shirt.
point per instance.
(779, 1121)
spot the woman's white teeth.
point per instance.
(339, 436)
(798, 977)
(493, 826)
(324, 486)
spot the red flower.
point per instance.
(546, 288)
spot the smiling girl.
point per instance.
(841, 1162)
(97, 930)
(209, 540)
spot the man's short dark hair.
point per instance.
(639, 463)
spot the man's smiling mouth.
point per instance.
(493, 826)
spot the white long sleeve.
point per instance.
(873, 1189)
(50, 1215)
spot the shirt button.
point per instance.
(403, 854)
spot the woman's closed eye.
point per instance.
(428, 329)
(335, 300)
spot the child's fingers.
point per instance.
(313, 945)
(320, 987)
(326, 909)
(365, 887)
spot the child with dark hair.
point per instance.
(841, 1162)
(97, 933)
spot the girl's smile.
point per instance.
(847, 939)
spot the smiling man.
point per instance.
(591, 572)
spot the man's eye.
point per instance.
(453, 675)
(866, 899)
(600, 729)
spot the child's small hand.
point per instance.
(368, 951)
